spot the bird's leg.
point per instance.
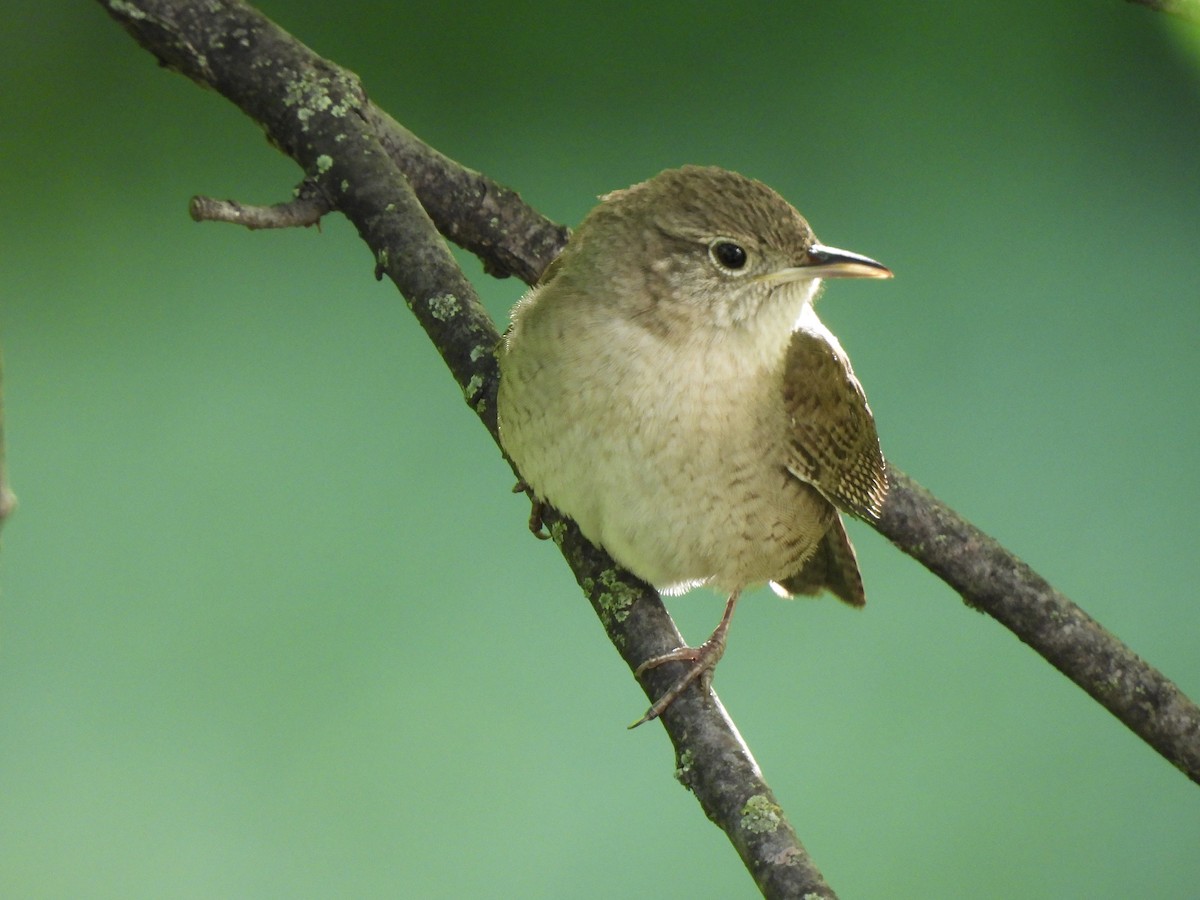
(536, 525)
(704, 660)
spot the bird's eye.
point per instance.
(727, 254)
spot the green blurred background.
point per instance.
(271, 623)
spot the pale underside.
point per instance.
(686, 462)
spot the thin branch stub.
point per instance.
(302, 212)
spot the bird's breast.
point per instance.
(669, 455)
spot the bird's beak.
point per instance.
(829, 262)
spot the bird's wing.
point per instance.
(832, 442)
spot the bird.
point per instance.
(668, 386)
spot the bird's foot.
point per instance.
(704, 660)
(536, 526)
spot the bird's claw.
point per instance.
(537, 526)
(703, 659)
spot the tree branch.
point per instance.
(391, 185)
(476, 213)
(319, 115)
(996, 582)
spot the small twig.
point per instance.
(298, 213)
(1184, 9)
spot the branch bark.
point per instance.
(994, 581)
(301, 211)
(397, 191)
(352, 153)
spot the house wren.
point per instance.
(668, 386)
